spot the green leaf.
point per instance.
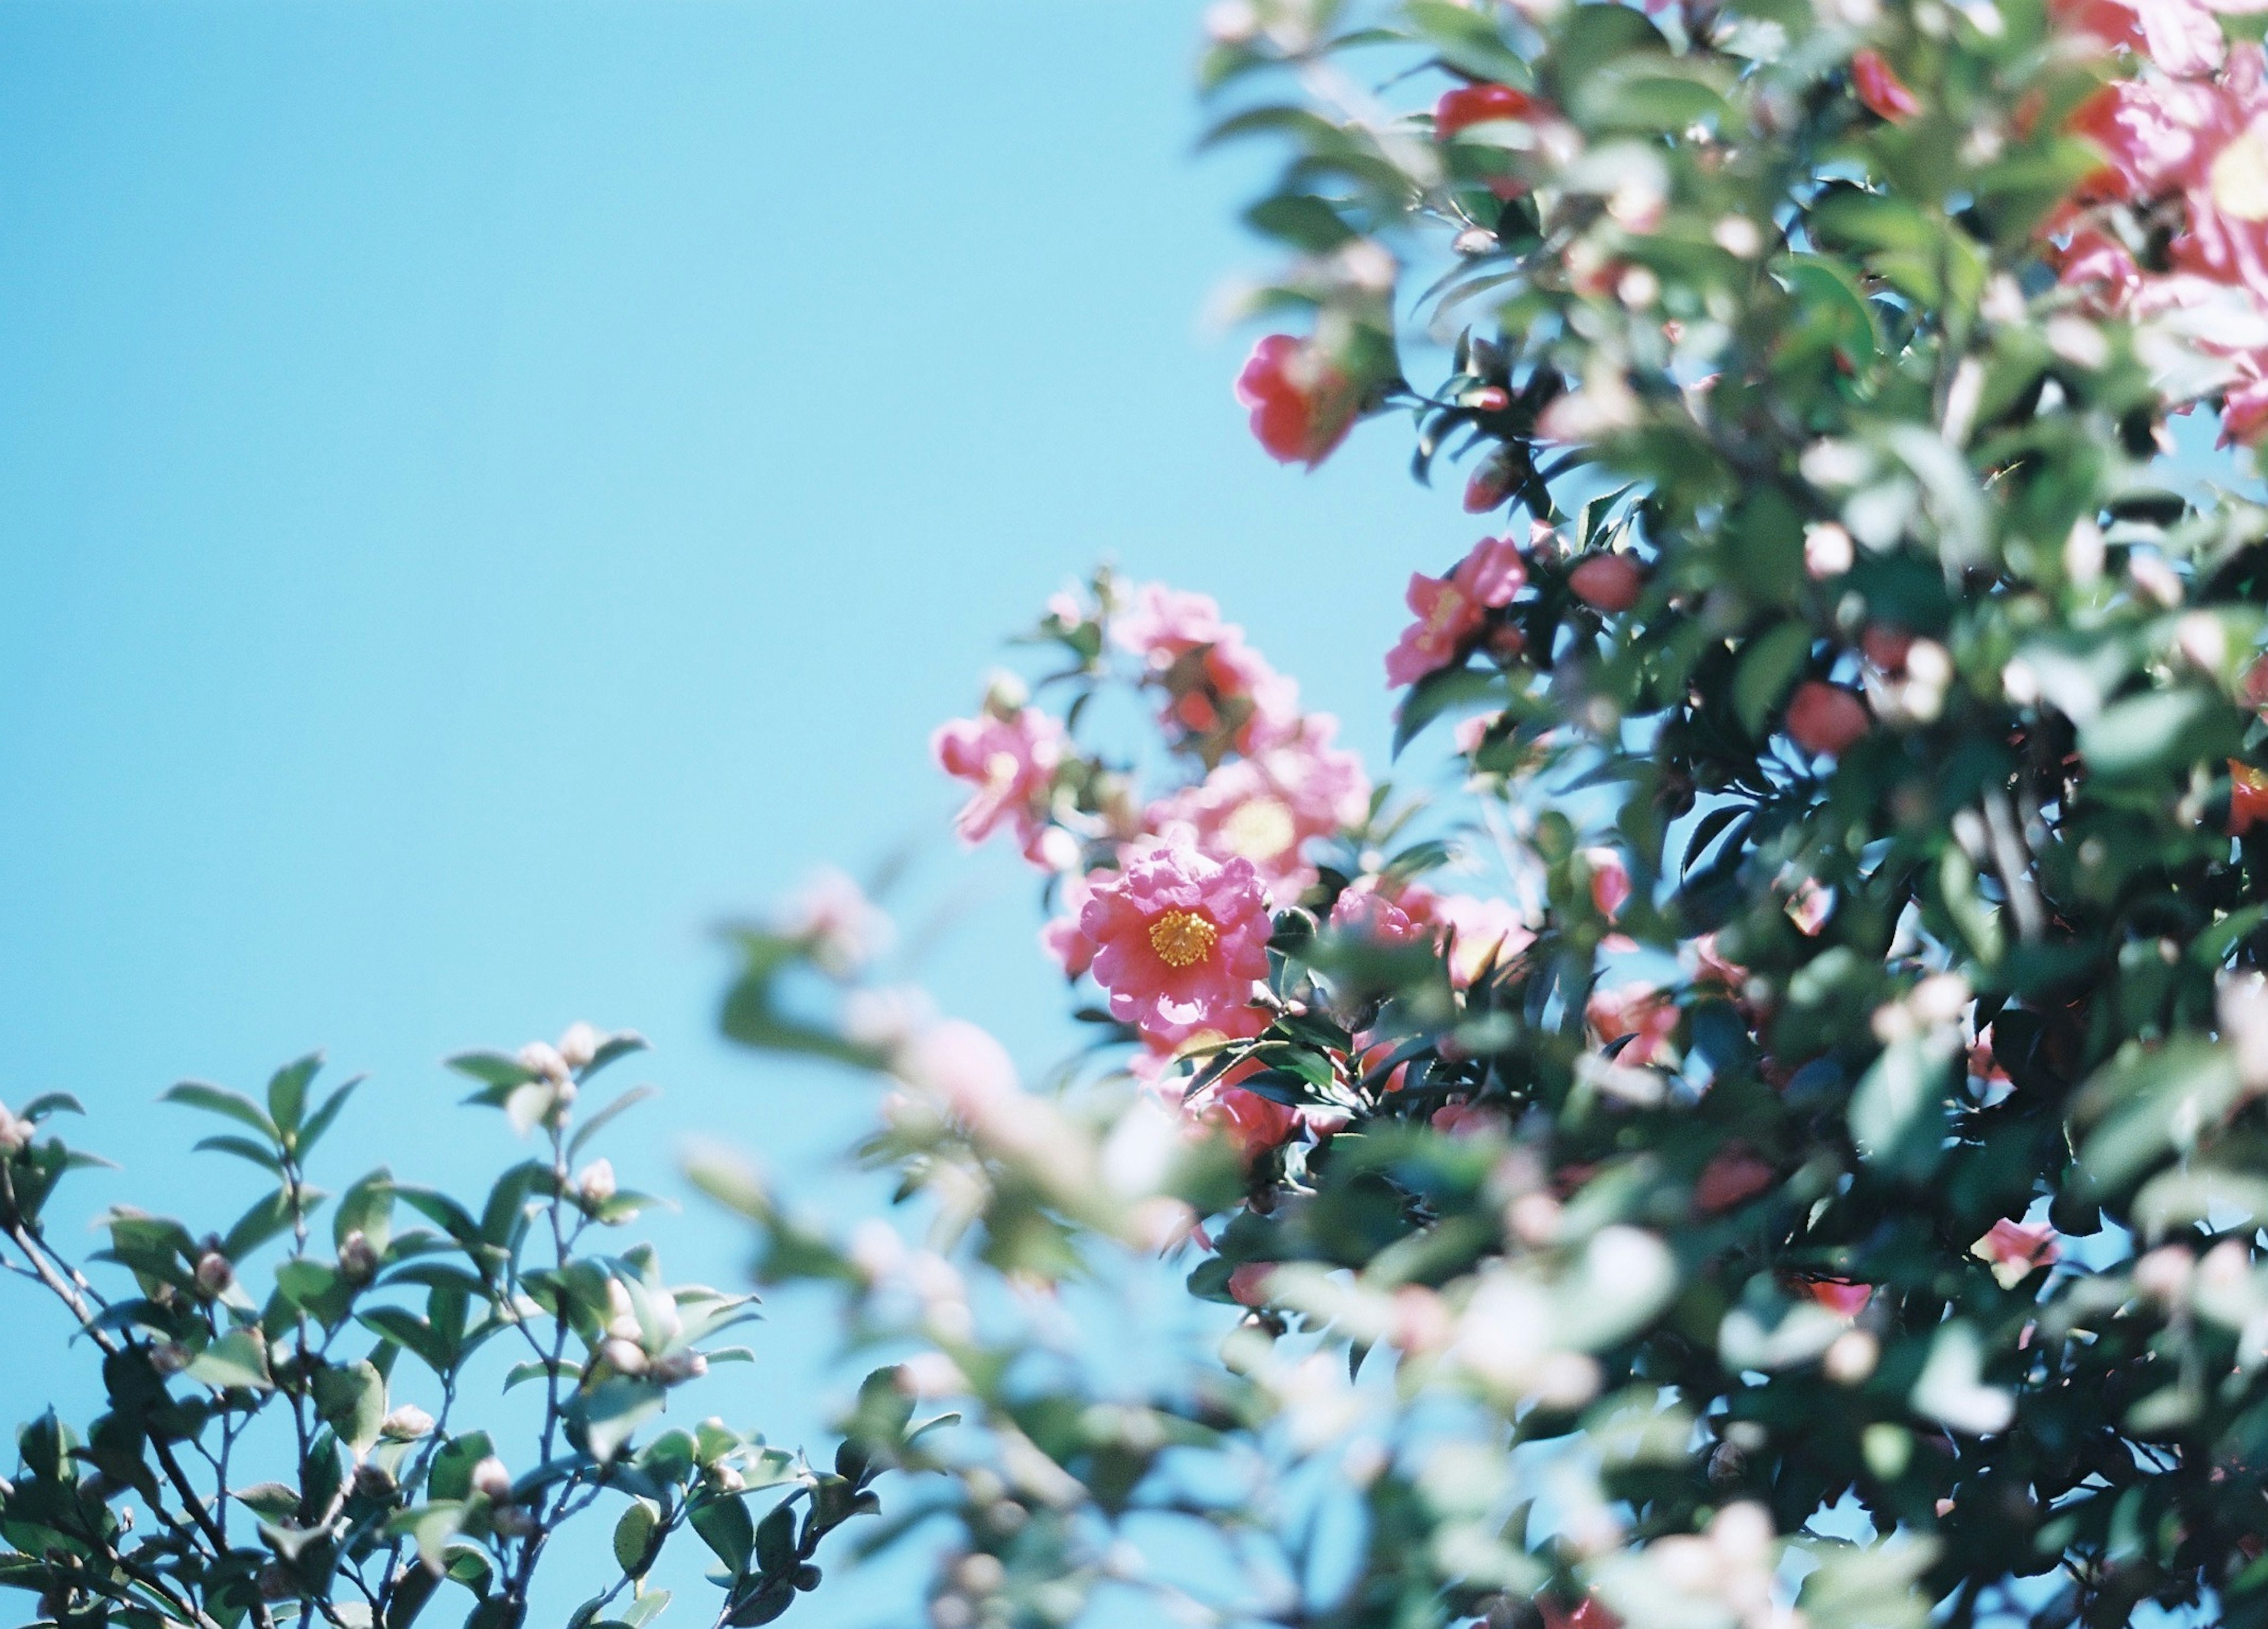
(615, 1411)
(319, 1121)
(2159, 732)
(1898, 1112)
(634, 1546)
(366, 1208)
(1301, 219)
(776, 1541)
(726, 1528)
(269, 1215)
(243, 1148)
(219, 1100)
(1769, 664)
(352, 1401)
(237, 1359)
(287, 1092)
(491, 1068)
(590, 1127)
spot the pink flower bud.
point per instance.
(1607, 582)
(491, 1479)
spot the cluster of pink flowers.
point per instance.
(2183, 130)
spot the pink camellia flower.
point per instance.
(1451, 610)
(1011, 761)
(1255, 1123)
(1879, 88)
(2013, 1249)
(1711, 965)
(1062, 938)
(1265, 808)
(1213, 680)
(1734, 1174)
(1641, 1011)
(1607, 582)
(1610, 881)
(1826, 718)
(1363, 910)
(963, 1064)
(1302, 406)
(2180, 37)
(1248, 1285)
(1481, 933)
(1179, 941)
(1840, 1297)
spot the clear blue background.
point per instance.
(490, 490)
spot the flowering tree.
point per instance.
(263, 1459)
(1781, 1139)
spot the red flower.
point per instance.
(1607, 583)
(1840, 1297)
(2248, 797)
(1450, 609)
(1826, 718)
(1880, 87)
(1302, 406)
(1478, 104)
(1736, 1174)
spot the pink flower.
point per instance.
(1011, 761)
(1641, 1011)
(1302, 406)
(1366, 913)
(1179, 941)
(1734, 1174)
(963, 1064)
(2014, 1251)
(1216, 684)
(1879, 86)
(1062, 938)
(2181, 37)
(1711, 966)
(1248, 1285)
(1610, 881)
(1265, 808)
(1826, 718)
(1607, 582)
(1255, 1123)
(1483, 932)
(1451, 610)
(1840, 1297)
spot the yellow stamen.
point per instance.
(1183, 938)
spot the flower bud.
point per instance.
(14, 1134)
(594, 1184)
(169, 1357)
(406, 1424)
(625, 1357)
(358, 1258)
(491, 1479)
(674, 1368)
(373, 1482)
(541, 1057)
(214, 1273)
(578, 1045)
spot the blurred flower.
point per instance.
(1607, 582)
(1012, 763)
(843, 928)
(1879, 88)
(1302, 405)
(2013, 1249)
(1451, 610)
(1825, 719)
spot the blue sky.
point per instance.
(494, 488)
